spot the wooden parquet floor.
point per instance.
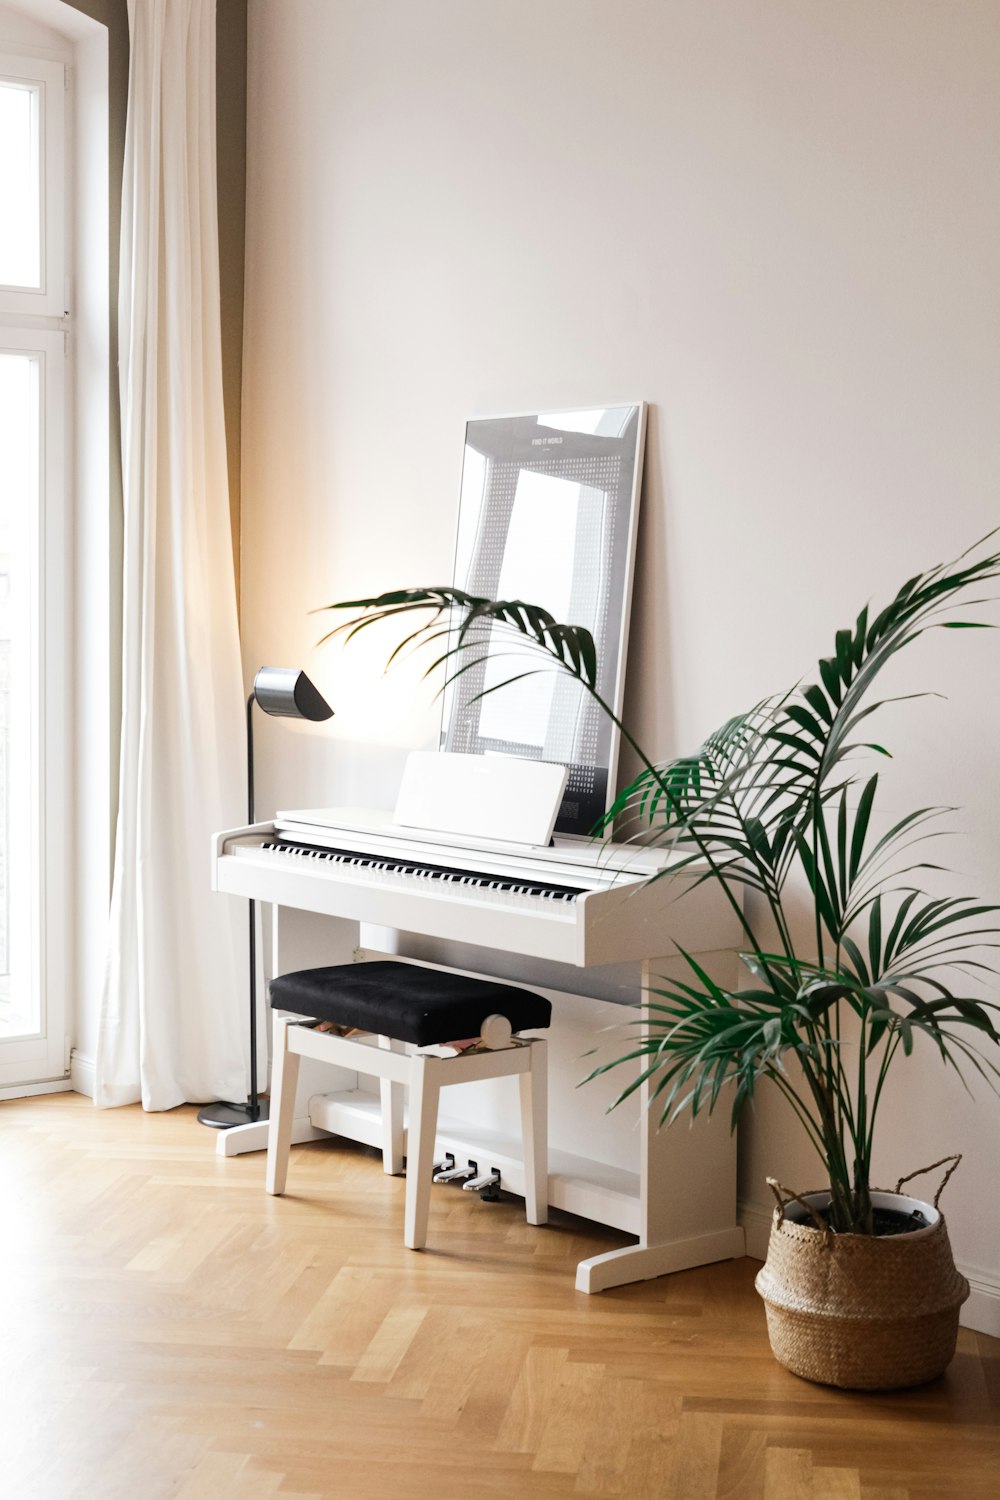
(166, 1329)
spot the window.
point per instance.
(35, 839)
(32, 187)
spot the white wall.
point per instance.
(776, 221)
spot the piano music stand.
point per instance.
(286, 694)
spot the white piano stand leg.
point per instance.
(239, 1139)
(687, 1207)
(284, 1077)
(643, 1262)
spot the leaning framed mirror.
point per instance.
(548, 514)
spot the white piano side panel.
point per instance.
(689, 1174)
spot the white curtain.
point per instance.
(173, 1024)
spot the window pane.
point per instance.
(19, 433)
(20, 218)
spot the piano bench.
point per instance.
(400, 1003)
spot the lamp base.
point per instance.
(222, 1116)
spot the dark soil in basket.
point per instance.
(886, 1221)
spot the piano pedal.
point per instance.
(447, 1161)
(487, 1185)
(457, 1174)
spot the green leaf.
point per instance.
(819, 890)
(897, 925)
(861, 824)
(842, 869)
(808, 722)
(831, 678)
(860, 628)
(875, 936)
(800, 746)
(830, 873)
(879, 1022)
(853, 952)
(817, 701)
(905, 1028)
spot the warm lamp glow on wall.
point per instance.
(287, 694)
(398, 707)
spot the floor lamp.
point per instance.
(287, 694)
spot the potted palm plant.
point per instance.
(860, 1287)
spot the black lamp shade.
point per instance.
(289, 694)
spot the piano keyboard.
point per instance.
(564, 902)
(458, 880)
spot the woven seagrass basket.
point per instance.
(859, 1311)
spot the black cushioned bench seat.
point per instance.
(405, 1001)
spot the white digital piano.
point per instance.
(549, 502)
(579, 905)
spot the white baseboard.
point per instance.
(755, 1220)
(82, 1074)
(33, 1090)
(980, 1313)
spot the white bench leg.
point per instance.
(391, 1095)
(534, 1134)
(425, 1089)
(284, 1077)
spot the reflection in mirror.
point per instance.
(548, 515)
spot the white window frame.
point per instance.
(42, 1054)
(34, 321)
(50, 78)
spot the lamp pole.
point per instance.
(254, 1110)
(285, 693)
